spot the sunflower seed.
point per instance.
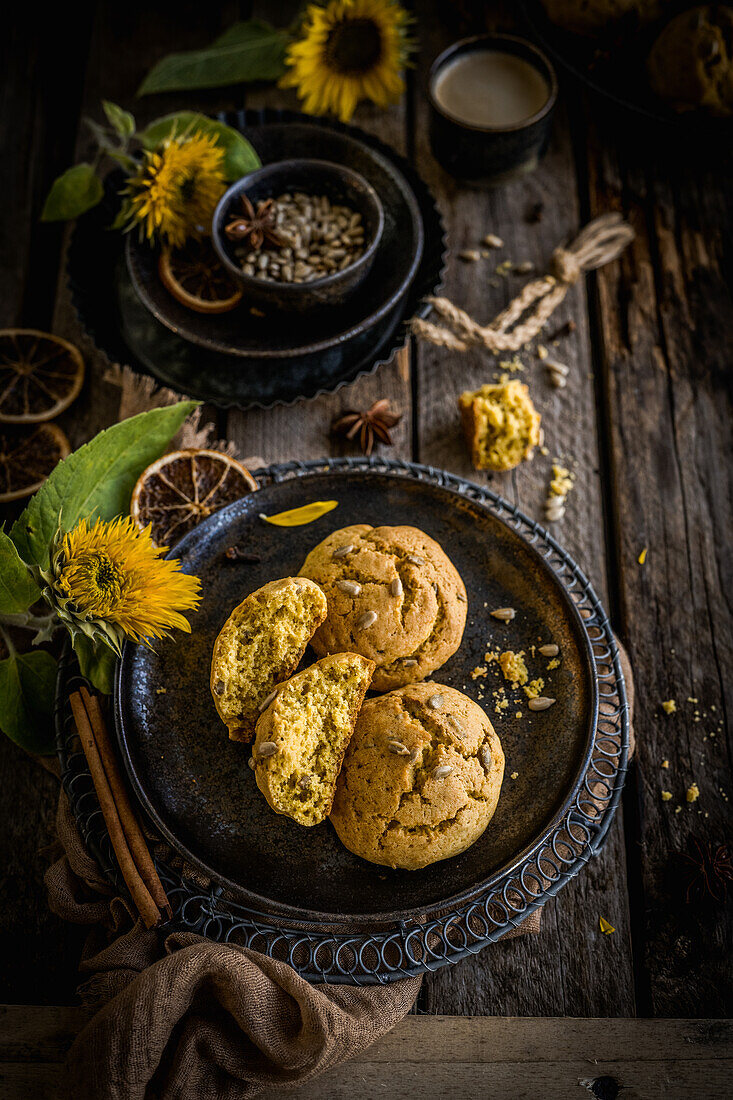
(395, 588)
(351, 588)
(559, 368)
(442, 772)
(492, 241)
(251, 762)
(485, 757)
(305, 782)
(435, 702)
(398, 748)
(550, 650)
(219, 687)
(266, 702)
(267, 748)
(409, 662)
(457, 726)
(542, 702)
(470, 255)
(415, 560)
(342, 551)
(523, 268)
(505, 614)
(367, 619)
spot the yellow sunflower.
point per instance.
(349, 50)
(175, 191)
(108, 582)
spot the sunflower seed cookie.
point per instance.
(303, 733)
(393, 595)
(261, 644)
(421, 777)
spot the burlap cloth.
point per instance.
(184, 1018)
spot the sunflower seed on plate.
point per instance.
(219, 687)
(398, 748)
(435, 702)
(542, 702)
(506, 614)
(395, 588)
(524, 268)
(559, 368)
(266, 702)
(267, 748)
(367, 619)
(351, 588)
(442, 772)
(492, 241)
(550, 650)
(470, 255)
(342, 551)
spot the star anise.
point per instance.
(372, 424)
(258, 225)
(708, 869)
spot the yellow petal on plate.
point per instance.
(642, 556)
(606, 928)
(297, 517)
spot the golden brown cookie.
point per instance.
(691, 62)
(421, 777)
(302, 735)
(501, 425)
(393, 596)
(596, 17)
(261, 644)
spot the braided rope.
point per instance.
(600, 242)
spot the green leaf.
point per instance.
(72, 194)
(27, 685)
(18, 590)
(97, 662)
(248, 51)
(240, 158)
(120, 121)
(96, 480)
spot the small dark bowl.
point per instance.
(314, 177)
(491, 154)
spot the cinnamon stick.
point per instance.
(128, 818)
(141, 896)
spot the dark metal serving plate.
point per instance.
(298, 894)
(398, 257)
(126, 332)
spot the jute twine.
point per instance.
(601, 241)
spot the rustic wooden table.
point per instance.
(644, 420)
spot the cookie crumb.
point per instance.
(513, 667)
(534, 688)
(515, 775)
(669, 706)
(693, 793)
(666, 796)
(665, 763)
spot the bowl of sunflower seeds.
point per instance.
(299, 235)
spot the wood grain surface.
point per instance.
(645, 423)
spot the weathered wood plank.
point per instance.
(570, 968)
(664, 324)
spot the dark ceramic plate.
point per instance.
(195, 784)
(614, 66)
(240, 333)
(126, 332)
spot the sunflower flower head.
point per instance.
(349, 50)
(174, 193)
(108, 582)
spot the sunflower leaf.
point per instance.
(97, 480)
(251, 50)
(97, 662)
(27, 684)
(18, 590)
(239, 156)
(72, 194)
(120, 120)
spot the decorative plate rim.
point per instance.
(324, 950)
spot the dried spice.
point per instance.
(708, 869)
(257, 226)
(298, 517)
(374, 423)
(233, 553)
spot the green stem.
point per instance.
(26, 621)
(8, 641)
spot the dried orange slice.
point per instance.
(40, 375)
(197, 279)
(27, 457)
(180, 489)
